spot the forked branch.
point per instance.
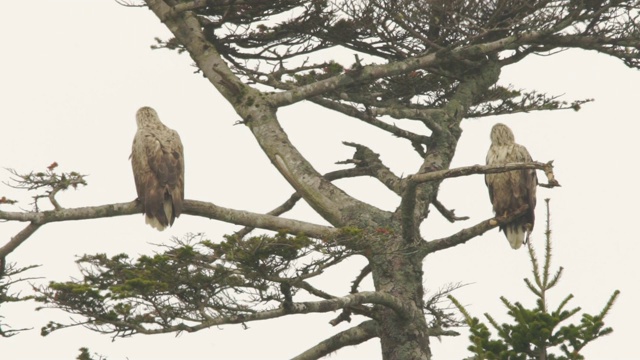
(295, 197)
(365, 158)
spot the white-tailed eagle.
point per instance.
(157, 160)
(510, 190)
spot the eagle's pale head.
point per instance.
(502, 135)
(147, 117)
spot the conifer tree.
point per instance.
(434, 63)
(542, 332)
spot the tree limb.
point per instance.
(345, 315)
(268, 222)
(369, 118)
(624, 48)
(363, 273)
(448, 214)
(369, 73)
(191, 207)
(358, 309)
(485, 169)
(432, 118)
(464, 235)
(313, 290)
(367, 159)
(322, 306)
(295, 197)
(187, 29)
(189, 5)
(356, 335)
(15, 241)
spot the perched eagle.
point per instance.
(510, 190)
(158, 169)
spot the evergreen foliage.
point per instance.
(536, 331)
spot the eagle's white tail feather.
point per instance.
(154, 223)
(515, 236)
(168, 212)
(168, 209)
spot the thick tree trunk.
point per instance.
(398, 272)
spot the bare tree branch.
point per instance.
(191, 207)
(128, 3)
(367, 159)
(431, 118)
(345, 315)
(358, 309)
(268, 222)
(18, 239)
(313, 290)
(369, 118)
(356, 335)
(466, 234)
(363, 273)
(448, 214)
(189, 5)
(295, 197)
(485, 169)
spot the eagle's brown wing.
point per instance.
(141, 171)
(525, 183)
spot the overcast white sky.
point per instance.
(73, 73)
